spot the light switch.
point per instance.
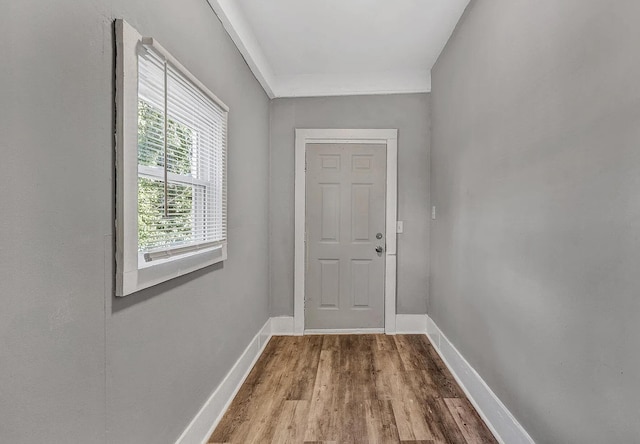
(433, 212)
(400, 227)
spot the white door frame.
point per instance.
(388, 137)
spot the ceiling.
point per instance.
(300, 48)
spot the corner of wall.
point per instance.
(269, 289)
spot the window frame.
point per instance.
(131, 274)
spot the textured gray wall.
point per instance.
(536, 177)
(407, 112)
(76, 364)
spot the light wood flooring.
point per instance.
(350, 389)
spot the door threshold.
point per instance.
(343, 331)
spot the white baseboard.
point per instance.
(414, 323)
(205, 422)
(504, 426)
(343, 331)
(495, 414)
(282, 325)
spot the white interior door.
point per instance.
(345, 236)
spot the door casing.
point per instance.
(388, 137)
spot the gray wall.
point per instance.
(536, 177)
(76, 364)
(410, 115)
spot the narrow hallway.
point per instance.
(350, 389)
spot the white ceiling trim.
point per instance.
(318, 85)
(238, 29)
(310, 85)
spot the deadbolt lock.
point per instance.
(379, 236)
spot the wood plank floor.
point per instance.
(350, 389)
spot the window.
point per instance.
(170, 167)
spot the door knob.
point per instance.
(378, 249)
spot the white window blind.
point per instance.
(182, 140)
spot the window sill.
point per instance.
(149, 275)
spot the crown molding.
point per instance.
(349, 84)
(236, 25)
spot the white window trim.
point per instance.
(130, 277)
(388, 137)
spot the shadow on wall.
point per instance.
(122, 303)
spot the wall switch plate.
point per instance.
(433, 212)
(400, 226)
